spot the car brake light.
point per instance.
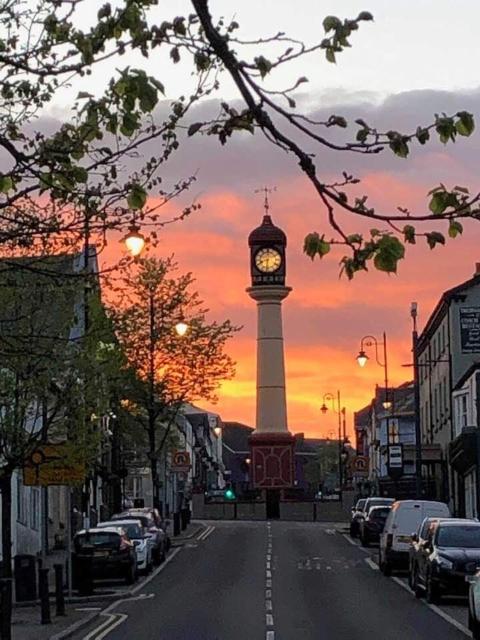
(389, 539)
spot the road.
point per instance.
(278, 581)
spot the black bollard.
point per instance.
(44, 597)
(176, 524)
(59, 597)
(5, 608)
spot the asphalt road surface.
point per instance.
(278, 581)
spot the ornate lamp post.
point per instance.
(340, 411)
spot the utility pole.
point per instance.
(416, 389)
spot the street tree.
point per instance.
(148, 303)
(324, 464)
(54, 380)
(57, 185)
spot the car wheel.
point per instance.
(473, 625)
(352, 531)
(433, 592)
(385, 567)
(157, 557)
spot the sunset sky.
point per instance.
(418, 58)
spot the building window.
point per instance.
(35, 508)
(393, 432)
(21, 510)
(460, 407)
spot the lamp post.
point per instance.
(416, 390)
(339, 411)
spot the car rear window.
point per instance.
(360, 505)
(379, 513)
(132, 529)
(466, 536)
(99, 539)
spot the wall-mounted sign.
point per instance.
(470, 329)
(395, 460)
(53, 464)
(181, 462)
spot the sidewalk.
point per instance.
(192, 531)
(26, 621)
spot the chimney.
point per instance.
(477, 269)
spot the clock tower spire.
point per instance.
(271, 443)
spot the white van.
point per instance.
(402, 521)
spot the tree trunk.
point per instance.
(6, 572)
(153, 459)
(6, 488)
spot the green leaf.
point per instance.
(315, 245)
(82, 95)
(6, 184)
(137, 197)
(362, 135)
(263, 65)
(465, 124)
(337, 121)
(409, 233)
(355, 238)
(175, 54)
(399, 146)
(435, 238)
(331, 23)
(423, 135)
(455, 228)
(438, 203)
(365, 15)
(193, 128)
(389, 251)
(330, 55)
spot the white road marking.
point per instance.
(269, 557)
(88, 609)
(268, 574)
(371, 564)
(268, 593)
(269, 620)
(269, 584)
(270, 635)
(349, 540)
(268, 565)
(268, 605)
(114, 619)
(155, 573)
(204, 535)
(330, 532)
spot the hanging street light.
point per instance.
(362, 358)
(134, 241)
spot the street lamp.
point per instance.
(362, 359)
(134, 241)
(217, 431)
(341, 413)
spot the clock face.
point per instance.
(268, 260)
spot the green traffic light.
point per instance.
(229, 494)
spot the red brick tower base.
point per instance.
(272, 465)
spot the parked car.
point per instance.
(103, 553)
(372, 526)
(143, 543)
(374, 501)
(156, 534)
(474, 606)
(157, 518)
(450, 558)
(404, 518)
(356, 512)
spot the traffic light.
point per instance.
(229, 493)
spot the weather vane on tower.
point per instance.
(266, 191)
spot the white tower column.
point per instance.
(271, 409)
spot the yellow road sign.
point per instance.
(49, 465)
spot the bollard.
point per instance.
(44, 597)
(176, 524)
(59, 597)
(5, 608)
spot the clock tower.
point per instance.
(271, 443)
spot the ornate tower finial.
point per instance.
(266, 191)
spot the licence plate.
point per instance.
(404, 538)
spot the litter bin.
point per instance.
(25, 572)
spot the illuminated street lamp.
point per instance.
(362, 359)
(217, 431)
(181, 328)
(134, 241)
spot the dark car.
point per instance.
(156, 534)
(357, 510)
(103, 553)
(372, 525)
(369, 503)
(448, 559)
